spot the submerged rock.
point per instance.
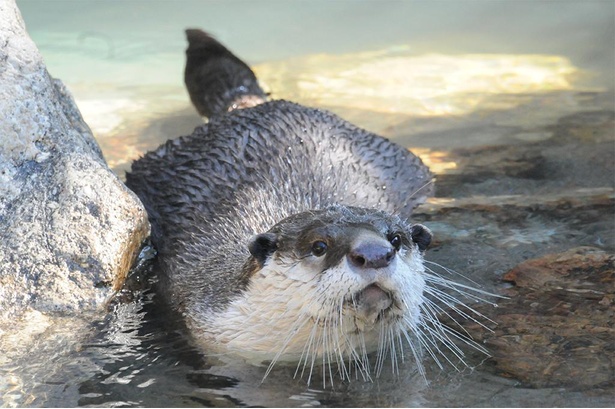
(556, 328)
(69, 229)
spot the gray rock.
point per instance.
(69, 228)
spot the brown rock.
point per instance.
(556, 327)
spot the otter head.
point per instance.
(367, 259)
(333, 283)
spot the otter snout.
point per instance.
(372, 254)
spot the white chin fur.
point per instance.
(294, 312)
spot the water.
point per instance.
(510, 103)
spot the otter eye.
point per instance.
(395, 241)
(319, 248)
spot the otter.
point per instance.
(283, 232)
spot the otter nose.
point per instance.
(371, 255)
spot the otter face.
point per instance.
(369, 263)
(330, 286)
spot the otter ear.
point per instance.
(421, 236)
(262, 246)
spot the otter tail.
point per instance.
(218, 81)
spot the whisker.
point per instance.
(282, 349)
(426, 341)
(449, 271)
(315, 353)
(393, 352)
(438, 333)
(306, 351)
(400, 346)
(455, 308)
(458, 288)
(426, 184)
(341, 364)
(437, 278)
(465, 338)
(415, 352)
(327, 330)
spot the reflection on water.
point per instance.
(511, 126)
(437, 161)
(396, 81)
